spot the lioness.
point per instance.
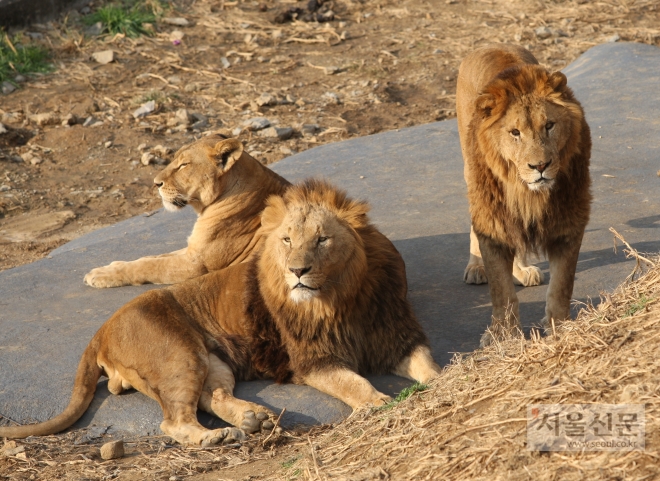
(526, 147)
(228, 189)
(324, 303)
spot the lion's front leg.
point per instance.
(347, 386)
(169, 268)
(562, 257)
(524, 274)
(498, 260)
(419, 366)
(475, 272)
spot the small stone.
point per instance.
(613, 38)
(46, 118)
(36, 160)
(256, 123)
(176, 35)
(8, 87)
(174, 79)
(4, 188)
(286, 150)
(104, 57)
(145, 109)
(331, 70)
(309, 129)
(543, 32)
(327, 16)
(142, 147)
(108, 144)
(177, 21)
(280, 133)
(69, 119)
(225, 62)
(438, 51)
(200, 121)
(147, 158)
(95, 30)
(331, 98)
(162, 150)
(89, 121)
(236, 132)
(191, 87)
(112, 450)
(266, 99)
(182, 117)
(3, 129)
(19, 79)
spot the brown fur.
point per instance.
(228, 189)
(517, 123)
(185, 346)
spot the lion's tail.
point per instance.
(83, 392)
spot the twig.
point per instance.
(277, 423)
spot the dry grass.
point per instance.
(471, 424)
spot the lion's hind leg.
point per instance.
(475, 272)
(217, 398)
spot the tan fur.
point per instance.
(228, 189)
(323, 304)
(526, 147)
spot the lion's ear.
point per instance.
(274, 213)
(226, 152)
(355, 214)
(557, 81)
(486, 104)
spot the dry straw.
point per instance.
(471, 424)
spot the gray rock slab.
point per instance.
(414, 181)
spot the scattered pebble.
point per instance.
(95, 30)
(104, 57)
(287, 151)
(613, 38)
(176, 35)
(112, 450)
(332, 98)
(266, 99)
(309, 129)
(543, 32)
(69, 119)
(31, 158)
(280, 133)
(8, 87)
(46, 118)
(3, 129)
(145, 109)
(108, 144)
(256, 123)
(162, 150)
(142, 147)
(200, 121)
(177, 21)
(89, 121)
(19, 79)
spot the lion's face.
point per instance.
(313, 247)
(195, 175)
(531, 135)
(530, 123)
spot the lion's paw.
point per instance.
(258, 422)
(223, 436)
(381, 400)
(527, 276)
(102, 277)
(475, 274)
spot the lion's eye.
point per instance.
(549, 125)
(515, 133)
(182, 166)
(322, 240)
(286, 240)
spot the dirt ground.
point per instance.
(376, 66)
(71, 160)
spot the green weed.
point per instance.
(289, 463)
(16, 58)
(127, 18)
(403, 395)
(638, 305)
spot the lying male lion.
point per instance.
(228, 189)
(323, 304)
(526, 147)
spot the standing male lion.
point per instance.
(526, 147)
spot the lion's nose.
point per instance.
(300, 271)
(539, 167)
(158, 184)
